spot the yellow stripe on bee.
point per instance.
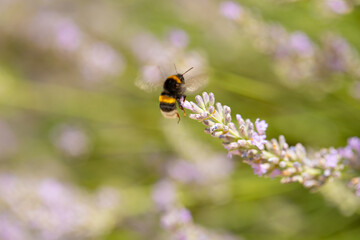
(166, 99)
(176, 78)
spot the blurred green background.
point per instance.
(71, 111)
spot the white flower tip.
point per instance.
(186, 104)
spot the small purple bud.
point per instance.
(231, 146)
(297, 165)
(282, 164)
(213, 128)
(240, 119)
(327, 172)
(275, 173)
(274, 160)
(297, 178)
(211, 109)
(227, 110)
(195, 108)
(204, 115)
(205, 98)
(261, 126)
(259, 169)
(208, 123)
(200, 101)
(186, 104)
(243, 143)
(219, 108)
(258, 140)
(249, 124)
(211, 99)
(310, 183)
(285, 146)
(194, 116)
(227, 118)
(217, 116)
(232, 126)
(291, 170)
(242, 131)
(217, 134)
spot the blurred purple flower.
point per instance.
(179, 38)
(183, 171)
(100, 60)
(338, 6)
(336, 53)
(331, 160)
(176, 217)
(50, 209)
(107, 197)
(68, 35)
(346, 152)
(301, 43)
(11, 229)
(230, 10)
(52, 192)
(203, 171)
(164, 194)
(53, 30)
(151, 74)
(72, 140)
(354, 143)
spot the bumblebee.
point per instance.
(174, 89)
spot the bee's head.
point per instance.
(181, 77)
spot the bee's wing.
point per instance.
(196, 82)
(150, 78)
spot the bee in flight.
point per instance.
(174, 89)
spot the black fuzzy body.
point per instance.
(173, 88)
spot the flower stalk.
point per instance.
(269, 158)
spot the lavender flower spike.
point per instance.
(269, 158)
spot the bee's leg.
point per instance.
(181, 107)
(184, 96)
(177, 114)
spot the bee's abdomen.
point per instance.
(168, 106)
(166, 99)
